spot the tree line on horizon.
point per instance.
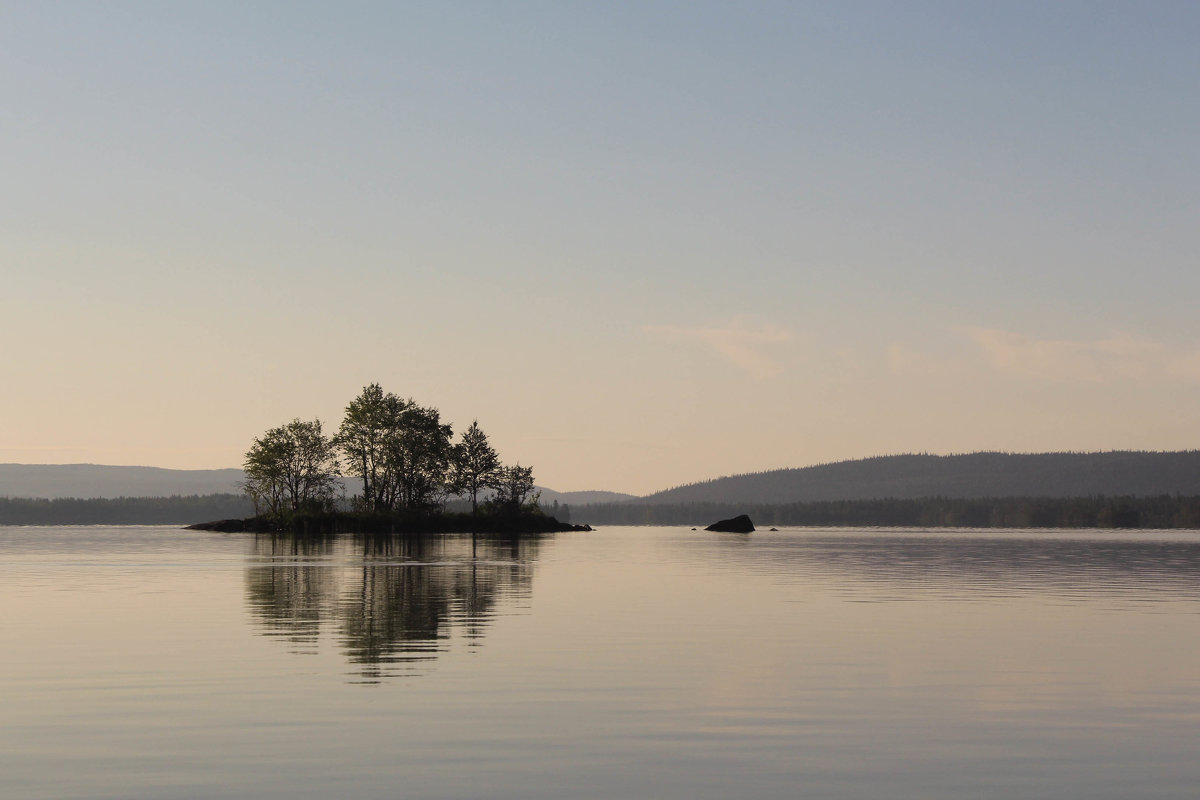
(172, 510)
(403, 453)
(1158, 511)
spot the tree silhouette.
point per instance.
(514, 488)
(363, 438)
(476, 464)
(291, 468)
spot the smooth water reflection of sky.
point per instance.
(149, 662)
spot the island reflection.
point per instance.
(390, 603)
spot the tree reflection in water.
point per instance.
(391, 602)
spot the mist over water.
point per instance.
(663, 662)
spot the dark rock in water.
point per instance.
(775, 529)
(739, 524)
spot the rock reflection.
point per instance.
(390, 603)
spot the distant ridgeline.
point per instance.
(1114, 474)
(1115, 489)
(110, 481)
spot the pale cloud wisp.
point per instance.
(743, 344)
(1118, 357)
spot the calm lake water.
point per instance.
(151, 662)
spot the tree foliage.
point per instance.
(418, 459)
(476, 465)
(403, 452)
(290, 469)
(514, 489)
(362, 439)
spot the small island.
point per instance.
(411, 472)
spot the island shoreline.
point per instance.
(399, 525)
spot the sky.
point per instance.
(643, 243)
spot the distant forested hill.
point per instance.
(550, 496)
(100, 480)
(1122, 473)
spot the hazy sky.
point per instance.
(643, 243)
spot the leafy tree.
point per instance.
(401, 451)
(291, 468)
(514, 489)
(418, 458)
(476, 464)
(264, 466)
(371, 418)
